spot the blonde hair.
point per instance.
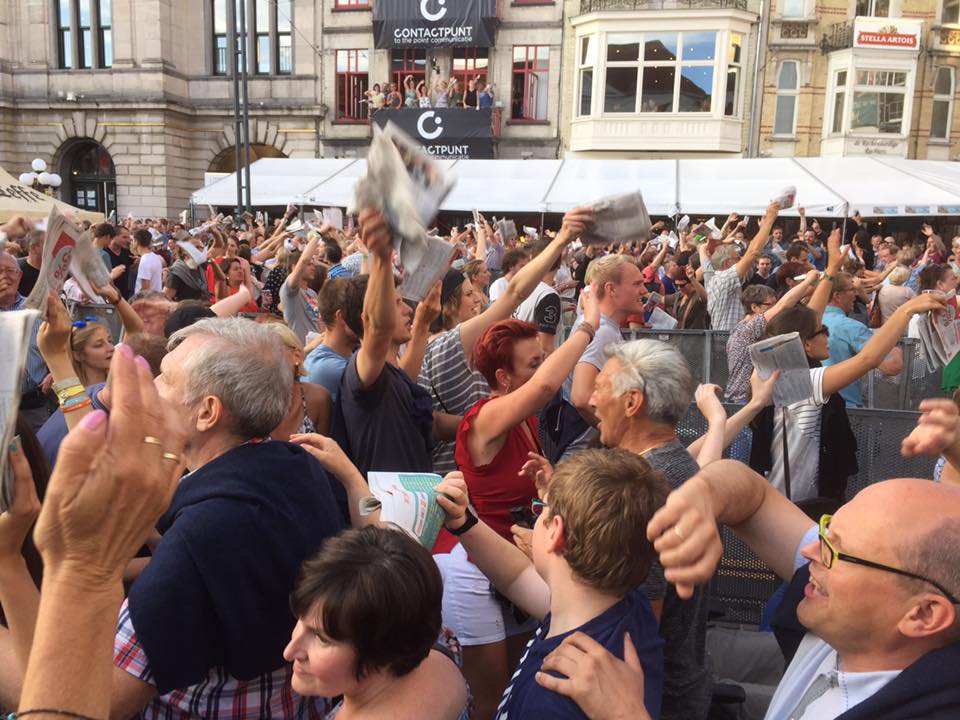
(289, 340)
(79, 337)
(606, 498)
(607, 269)
(899, 275)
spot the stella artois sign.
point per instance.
(887, 33)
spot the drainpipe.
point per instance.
(753, 141)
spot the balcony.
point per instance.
(591, 6)
(838, 36)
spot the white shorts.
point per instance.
(469, 606)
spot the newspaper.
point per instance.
(939, 337)
(58, 248)
(622, 218)
(429, 268)
(408, 502)
(784, 353)
(507, 230)
(333, 217)
(408, 186)
(660, 320)
(16, 328)
(87, 266)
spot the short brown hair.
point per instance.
(512, 258)
(606, 498)
(378, 590)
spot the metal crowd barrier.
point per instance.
(706, 353)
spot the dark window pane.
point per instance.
(696, 89)
(621, 48)
(660, 47)
(783, 119)
(730, 99)
(658, 89)
(586, 91)
(838, 112)
(941, 113)
(699, 45)
(942, 85)
(620, 93)
(877, 112)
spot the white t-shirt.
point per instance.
(498, 287)
(803, 442)
(150, 270)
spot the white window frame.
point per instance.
(856, 87)
(738, 66)
(803, 9)
(794, 93)
(719, 65)
(592, 64)
(944, 98)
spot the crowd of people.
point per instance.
(470, 93)
(194, 492)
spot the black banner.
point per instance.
(434, 23)
(451, 133)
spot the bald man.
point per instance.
(870, 618)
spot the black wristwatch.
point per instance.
(470, 521)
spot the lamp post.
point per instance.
(41, 180)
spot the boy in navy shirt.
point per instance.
(590, 553)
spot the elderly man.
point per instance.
(204, 626)
(869, 622)
(725, 271)
(37, 381)
(642, 392)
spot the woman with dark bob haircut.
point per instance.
(368, 609)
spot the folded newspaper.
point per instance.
(786, 354)
(623, 218)
(408, 186)
(16, 328)
(407, 501)
(507, 229)
(55, 263)
(939, 337)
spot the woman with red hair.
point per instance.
(493, 441)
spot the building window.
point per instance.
(788, 87)
(220, 65)
(673, 72)
(839, 101)
(873, 8)
(587, 60)
(531, 66)
(951, 12)
(352, 81)
(879, 97)
(469, 64)
(731, 102)
(408, 63)
(284, 36)
(794, 8)
(84, 33)
(352, 4)
(942, 104)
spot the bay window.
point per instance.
(879, 97)
(734, 68)
(586, 61)
(839, 101)
(873, 8)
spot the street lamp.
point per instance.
(40, 179)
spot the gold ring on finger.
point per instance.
(676, 530)
(151, 440)
(171, 456)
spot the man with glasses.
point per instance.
(869, 623)
(848, 336)
(37, 380)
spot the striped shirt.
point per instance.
(803, 442)
(453, 385)
(723, 299)
(219, 695)
(36, 368)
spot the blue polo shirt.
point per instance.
(847, 338)
(525, 698)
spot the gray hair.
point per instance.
(660, 372)
(936, 555)
(722, 254)
(34, 238)
(243, 365)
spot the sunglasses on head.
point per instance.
(84, 322)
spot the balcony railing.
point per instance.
(838, 36)
(589, 6)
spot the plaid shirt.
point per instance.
(219, 696)
(723, 299)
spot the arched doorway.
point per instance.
(226, 160)
(89, 177)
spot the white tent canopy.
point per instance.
(826, 187)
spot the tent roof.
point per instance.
(19, 199)
(827, 187)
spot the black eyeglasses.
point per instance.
(822, 330)
(829, 555)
